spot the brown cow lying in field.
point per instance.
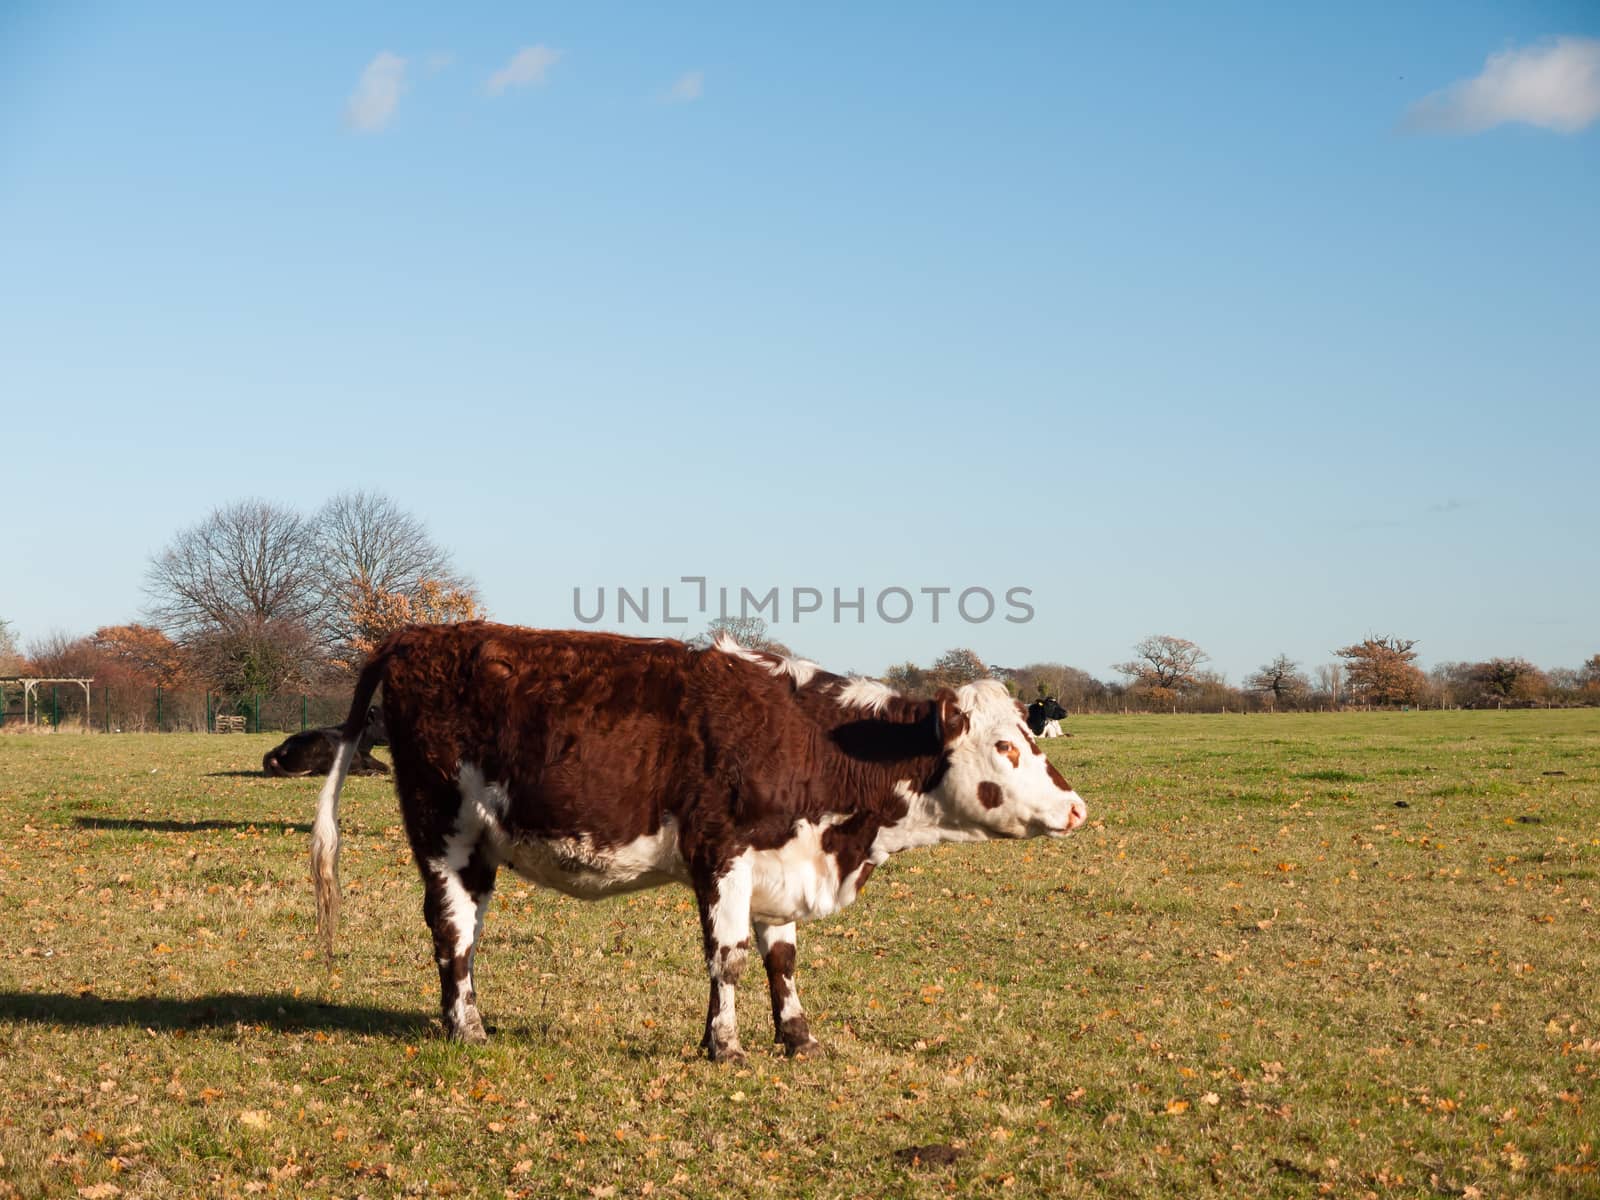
(313, 751)
(596, 764)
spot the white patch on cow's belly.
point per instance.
(799, 881)
(578, 867)
(575, 866)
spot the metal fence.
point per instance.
(158, 710)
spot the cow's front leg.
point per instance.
(777, 944)
(724, 896)
(454, 901)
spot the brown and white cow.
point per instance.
(596, 764)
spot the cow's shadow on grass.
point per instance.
(164, 826)
(220, 1010)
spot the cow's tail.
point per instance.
(325, 830)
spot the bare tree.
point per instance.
(62, 655)
(246, 564)
(907, 678)
(749, 632)
(956, 667)
(252, 655)
(1588, 679)
(259, 597)
(366, 544)
(1383, 671)
(1513, 679)
(1164, 665)
(1451, 684)
(10, 655)
(240, 592)
(1212, 693)
(1565, 685)
(1075, 688)
(1281, 679)
(1330, 678)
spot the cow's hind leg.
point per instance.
(777, 943)
(454, 901)
(725, 926)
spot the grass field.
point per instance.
(1292, 955)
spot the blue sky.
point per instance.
(1261, 325)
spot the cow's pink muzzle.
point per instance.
(1077, 814)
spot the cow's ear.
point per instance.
(952, 721)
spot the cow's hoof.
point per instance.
(810, 1048)
(726, 1054)
(470, 1032)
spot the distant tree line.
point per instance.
(1168, 674)
(258, 598)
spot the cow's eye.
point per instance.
(1003, 747)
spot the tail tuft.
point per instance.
(325, 848)
(325, 830)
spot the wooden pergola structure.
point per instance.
(30, 703)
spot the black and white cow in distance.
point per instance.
(312, 751)
(596, 764)
(1045, 716)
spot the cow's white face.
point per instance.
(999, 783)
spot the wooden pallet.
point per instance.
(230, 724)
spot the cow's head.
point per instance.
(996, 781)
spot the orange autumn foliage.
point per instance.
(375, 612)
(142, 653)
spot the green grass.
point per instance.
(1292, 955)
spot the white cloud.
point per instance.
(691, 85)
(1555, 85)
(377, 94)
(527, 65)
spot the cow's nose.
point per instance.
(1077, 814)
